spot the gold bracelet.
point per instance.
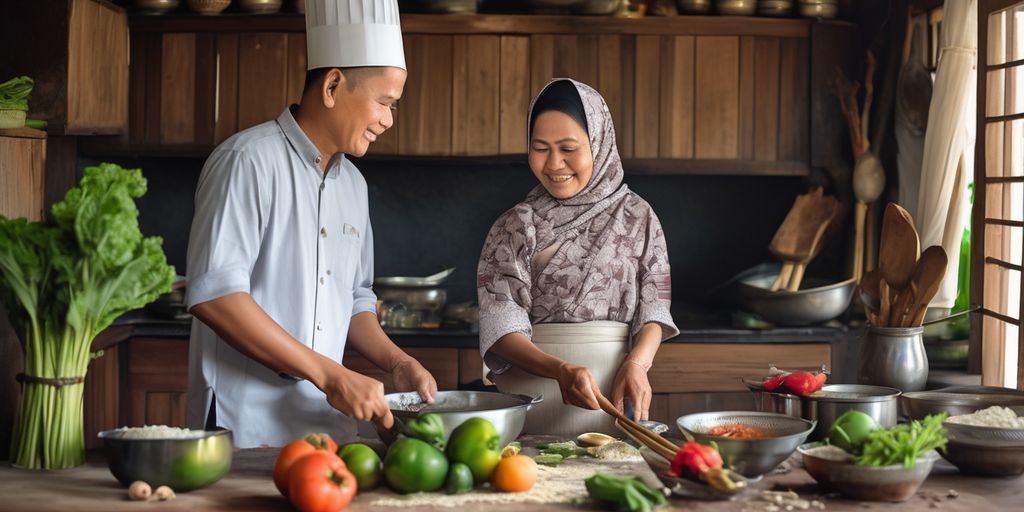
(646, 367)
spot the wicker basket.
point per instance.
(12, 118)
(208, 6)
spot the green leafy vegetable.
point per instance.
(624, 493)
(904, 443)
(566, 449)
(14, 93)
(549, 459)
(63, 281)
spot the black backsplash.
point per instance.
(428, 215)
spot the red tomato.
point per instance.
(320, 482)
(294, 451)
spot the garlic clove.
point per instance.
(139, 491)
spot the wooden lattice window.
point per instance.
(998, 215)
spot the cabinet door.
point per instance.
(97, 82)
(157, 382)
(719, 367)
(22, 159)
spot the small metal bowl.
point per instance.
(736, 7)
(818, 300)
(884, 483)
(918, 404)
(750, 457)
(182, 464)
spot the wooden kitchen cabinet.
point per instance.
(22, 166)
(80, 64)
(704, 95)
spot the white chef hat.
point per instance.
(353, 33)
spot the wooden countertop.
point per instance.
(249, 487)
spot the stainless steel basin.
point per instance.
(506, 412)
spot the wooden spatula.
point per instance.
(829, 208)
(795, 239)
(928, 274)
(897, 257)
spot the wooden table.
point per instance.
(249, 487)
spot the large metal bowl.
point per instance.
(884, 483)
(750, 457)
(817, 301)
(985, 460)
(506, 412)
(181, 464)
(957, 401)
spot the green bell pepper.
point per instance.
(428, 428)
(625, 493)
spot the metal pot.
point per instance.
(831, 402)
(818, 301)
(894, 357)
(506, 412)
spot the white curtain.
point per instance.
(948, 161)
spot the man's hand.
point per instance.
(410, 375)
(358, 397)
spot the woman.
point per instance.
(568, 277)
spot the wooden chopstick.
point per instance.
(641, 434)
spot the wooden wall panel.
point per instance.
(766, 99)
(717, 97)
(263, 66)
(471, 367)
(475, 87)
(677, 72)
(566, 57)
(587, 60)
(22, 161)
(204, 115)
(102, 396)
(226, 104)
(648, 107)
(177, 89)
(693, 367)
(747, 92)
(296, 59)
(794, 98)
(97, 85)
(617, 84)
(542, 62)
(514, 97)
(138, 91)
(425, 113)
(442, 363)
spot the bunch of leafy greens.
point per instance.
(14, 93)
(63, 281)
(904, 443)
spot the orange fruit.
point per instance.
(514, 474)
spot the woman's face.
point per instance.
(560, 155)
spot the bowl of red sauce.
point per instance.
(751, 443)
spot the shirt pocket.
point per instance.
(348, 257)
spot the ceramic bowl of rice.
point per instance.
(180, 458)
(988, 442)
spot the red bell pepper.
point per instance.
(773, 383)
(804, 383)
(703, 462)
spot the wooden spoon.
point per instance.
(898, 255)
(794, 241)
(927, 278)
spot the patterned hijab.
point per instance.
(556, 217)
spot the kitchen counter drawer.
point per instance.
(718, 367)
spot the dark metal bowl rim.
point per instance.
(765, 440)
(112, 435)
(930, 455)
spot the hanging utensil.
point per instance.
(795, 241)
(898, 253)
(928, 274)
(828, 210)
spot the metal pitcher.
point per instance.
(894, 357)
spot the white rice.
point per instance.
(995, 416)
(158, 432)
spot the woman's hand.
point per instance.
(578, 386)
(410, 375)
(631, 382)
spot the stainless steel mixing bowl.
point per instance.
(506, 412)
(750, 457)
(817, 300)
(182, 464)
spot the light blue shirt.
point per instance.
(269, 223)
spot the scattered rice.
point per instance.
(617, 450)
(158, 432)
(995, 416)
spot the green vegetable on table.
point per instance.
(549, 459)
(566, 449)
(459, 480)
(624, 493)
(428, 428)
(14, 93)
(851, 430)
(904, 443)
(412, 465)
(475, 443)
(63, 281)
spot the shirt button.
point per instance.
(318, 159)
(323, 232)
(319, 327)
(328, 271)
(322, 280)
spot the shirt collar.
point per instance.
(305, 147)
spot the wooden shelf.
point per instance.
(500, 24)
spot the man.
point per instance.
(280, 256)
